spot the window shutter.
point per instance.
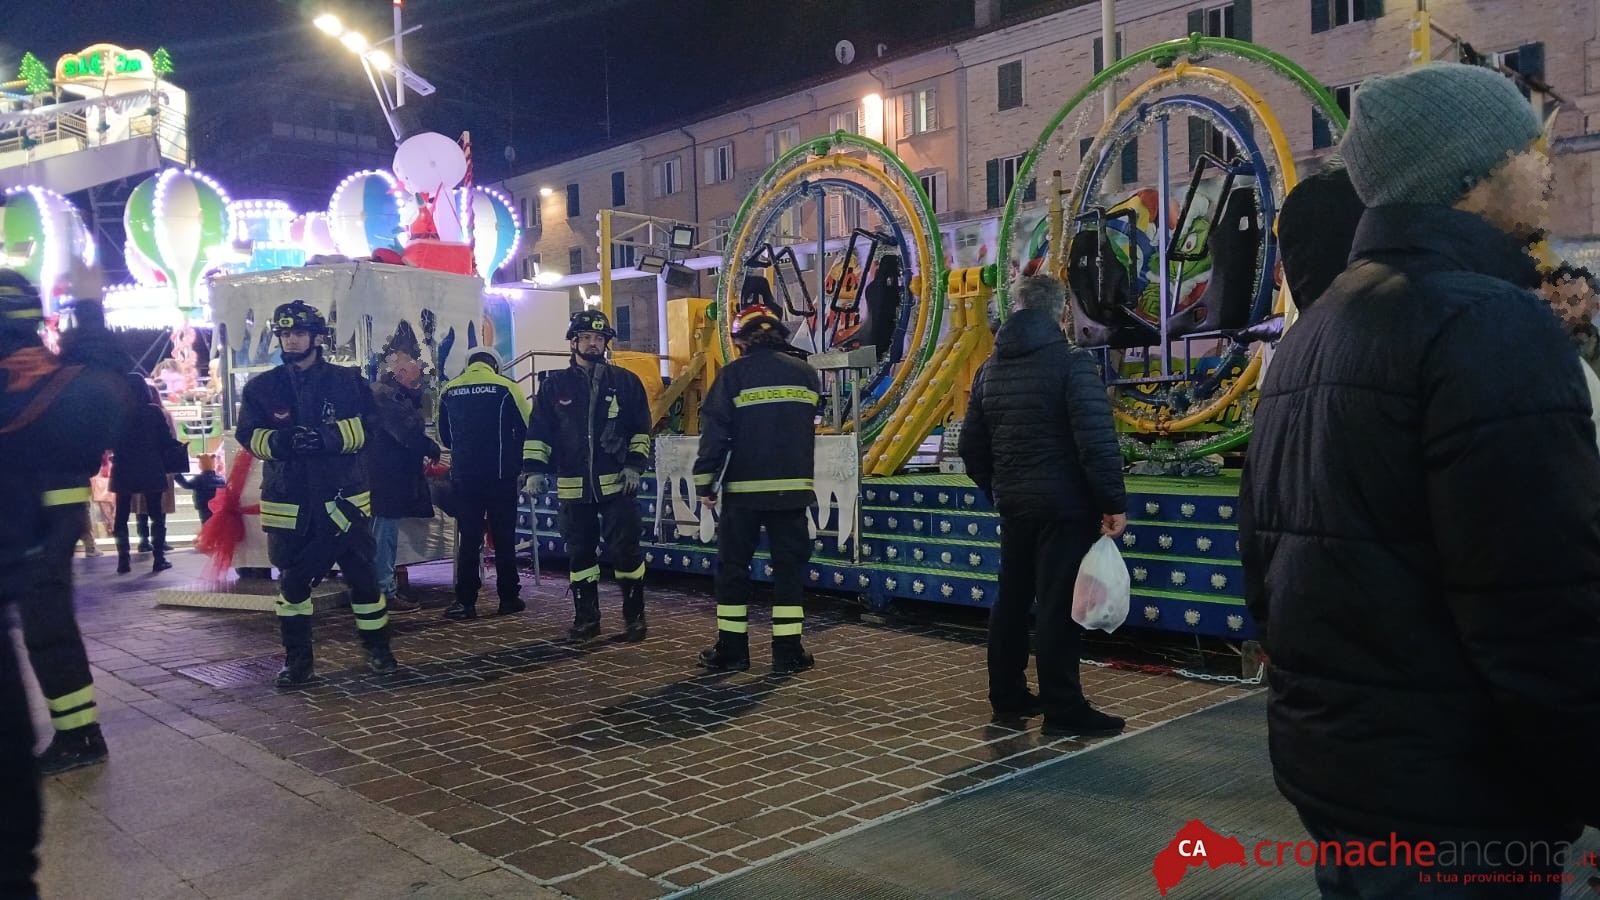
(933, 109)
(1374, 10)
(772, 147)
(908, 115)
(1099, 55)
(1130, 162)
(708, 166)
(1197, 21)
(656, 180)
(1530, 60)
(992, 177)
(1197, 140)
(1241, 20)
(1319, 16)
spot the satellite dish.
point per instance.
(844, 52)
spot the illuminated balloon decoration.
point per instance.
(40, 235)
(368, 212)
(140, 267)
(179, 221)
(261, 236)
(496, 230)
(309, 231)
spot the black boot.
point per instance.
(459, 610)
(633, 610)
(586, 611)
(73, 749)
(158, 538)
(297, 663)
(730, 653)
(124, 562)
(789, 655)
(379, 658)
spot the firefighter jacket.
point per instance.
(588, 425)
(757, 428)
(336, 403)
(483, 419)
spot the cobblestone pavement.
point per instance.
(613, 770)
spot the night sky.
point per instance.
(525, 73)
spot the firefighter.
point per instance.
(483, 419)
(591, 424)
(756, 439)
(307, 420)
(56, 419)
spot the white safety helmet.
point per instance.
(485, 353)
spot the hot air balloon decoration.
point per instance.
(41, 234)
(369, 211)
(496, 231)
(179, 221)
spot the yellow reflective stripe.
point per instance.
(352, 434)
(607, 490)
(733, 626)
(703, 478)
(362, 501)
(788, 629)
(538, 451)
(369, 608)
(70, 702)
(285, 523)
(280, 509)
(754, 396)
(611, 479)
(285, 608)
(569, 480)
(788, 612)
(774, 484)
(635, 575)
(590, 574)
(260, 443)
(732, 611)
(66, 496)
(372, 624)
(29, 313)
(639, 443)
(337, 515)
(76, 720)
(569, 493)
(360, 431)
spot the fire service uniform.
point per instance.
(757, 449)
(308, 424)
(591, 425)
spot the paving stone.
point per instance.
(553, 860)
(654, 862)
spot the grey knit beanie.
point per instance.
(1430, 133)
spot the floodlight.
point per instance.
(652, 264)
(329, 23)
(682, 237)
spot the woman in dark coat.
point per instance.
(136, 468)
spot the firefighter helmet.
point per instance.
(590, 321)
(297, 315)
(755, 319)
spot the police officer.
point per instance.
(483, 419)
(307, 420)
(57, 421)
(591, 424)
(757, 427)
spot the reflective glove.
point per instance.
(630, 481)
(534, 483)
(306, 440)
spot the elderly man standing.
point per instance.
(1420, 513)
(1039, 440)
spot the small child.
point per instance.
(204, 485)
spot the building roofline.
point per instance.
(740, 104)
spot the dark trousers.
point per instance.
(498, 501)
(1039, 560)
(788, 538)
(55, 648)
(19, 774)
(1481, 855)
(158, 521)
(614, 519)
(304, 559)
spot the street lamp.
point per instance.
(376, 63)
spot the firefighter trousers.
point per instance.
(50, 629)
(616, 519)
(789, 539)
(305, 559)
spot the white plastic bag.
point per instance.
(1100, 596)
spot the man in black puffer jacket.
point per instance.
(1039, 440)
(1420, 509)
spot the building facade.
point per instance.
(963, 115)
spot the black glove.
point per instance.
(630, 481)
(306, 440)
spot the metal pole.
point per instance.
(1161, 242)
(1421, 35)
(819, 336)
(605, 266)
(661, 323)
(1109, 55)
(399, 57)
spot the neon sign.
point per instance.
(104, 61)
